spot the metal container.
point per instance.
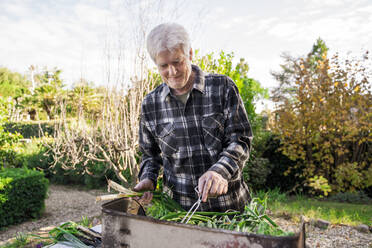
(123, 229)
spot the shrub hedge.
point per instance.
(30, 129)
(22, 195)
(35, 155)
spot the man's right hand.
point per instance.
(145, 185)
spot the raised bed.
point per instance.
(123, 229)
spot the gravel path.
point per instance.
(335, 236)
(67, 203)
(63, 203)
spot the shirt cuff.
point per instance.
(152, 176)
(224, 167)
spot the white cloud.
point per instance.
(91, 16)
(70, 39)
(265, 24)
(313, 4)
(14, 9)
(341, 26)
(72, 36)
(285, 29)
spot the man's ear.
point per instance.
(191, 54)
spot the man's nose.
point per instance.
(172, 70)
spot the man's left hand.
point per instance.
(212, 184)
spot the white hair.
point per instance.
(167, 37)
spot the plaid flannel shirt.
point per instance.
(210, 132)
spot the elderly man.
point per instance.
(195, 126)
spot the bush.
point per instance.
(280, 164)
(36, 155)
(29, 155)
(95, 179)
(30, 129)
(22, 195)
(256, 171)
(368, 191)
(8, 144)
(8, 156)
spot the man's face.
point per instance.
(175, 69)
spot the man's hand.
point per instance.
(145, 185)
(212, 184)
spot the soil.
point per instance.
(66, 203)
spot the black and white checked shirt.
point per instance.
(210, 132)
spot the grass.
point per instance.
(334, 212)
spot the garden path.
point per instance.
(63, 203)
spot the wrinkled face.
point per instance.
(175, 70)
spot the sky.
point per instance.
(96, 40)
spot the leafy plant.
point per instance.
(320, 186)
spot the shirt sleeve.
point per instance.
(237, 137)
(151, 160)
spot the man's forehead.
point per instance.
(170, 55)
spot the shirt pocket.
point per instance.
(167, 139)
(213, 131)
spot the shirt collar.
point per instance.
(199, 82)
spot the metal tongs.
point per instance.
(194, 207)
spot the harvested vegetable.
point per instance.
(253, 219)
(72, 235)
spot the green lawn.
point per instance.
(335, 212)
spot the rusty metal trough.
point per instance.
(123, 229)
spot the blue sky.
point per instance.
(75, 35)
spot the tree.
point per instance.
(12, 84)
(15, 86)
(286, 90)
(323, 119)
(48, 92)
(84, 96)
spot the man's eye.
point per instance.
(163, 66)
